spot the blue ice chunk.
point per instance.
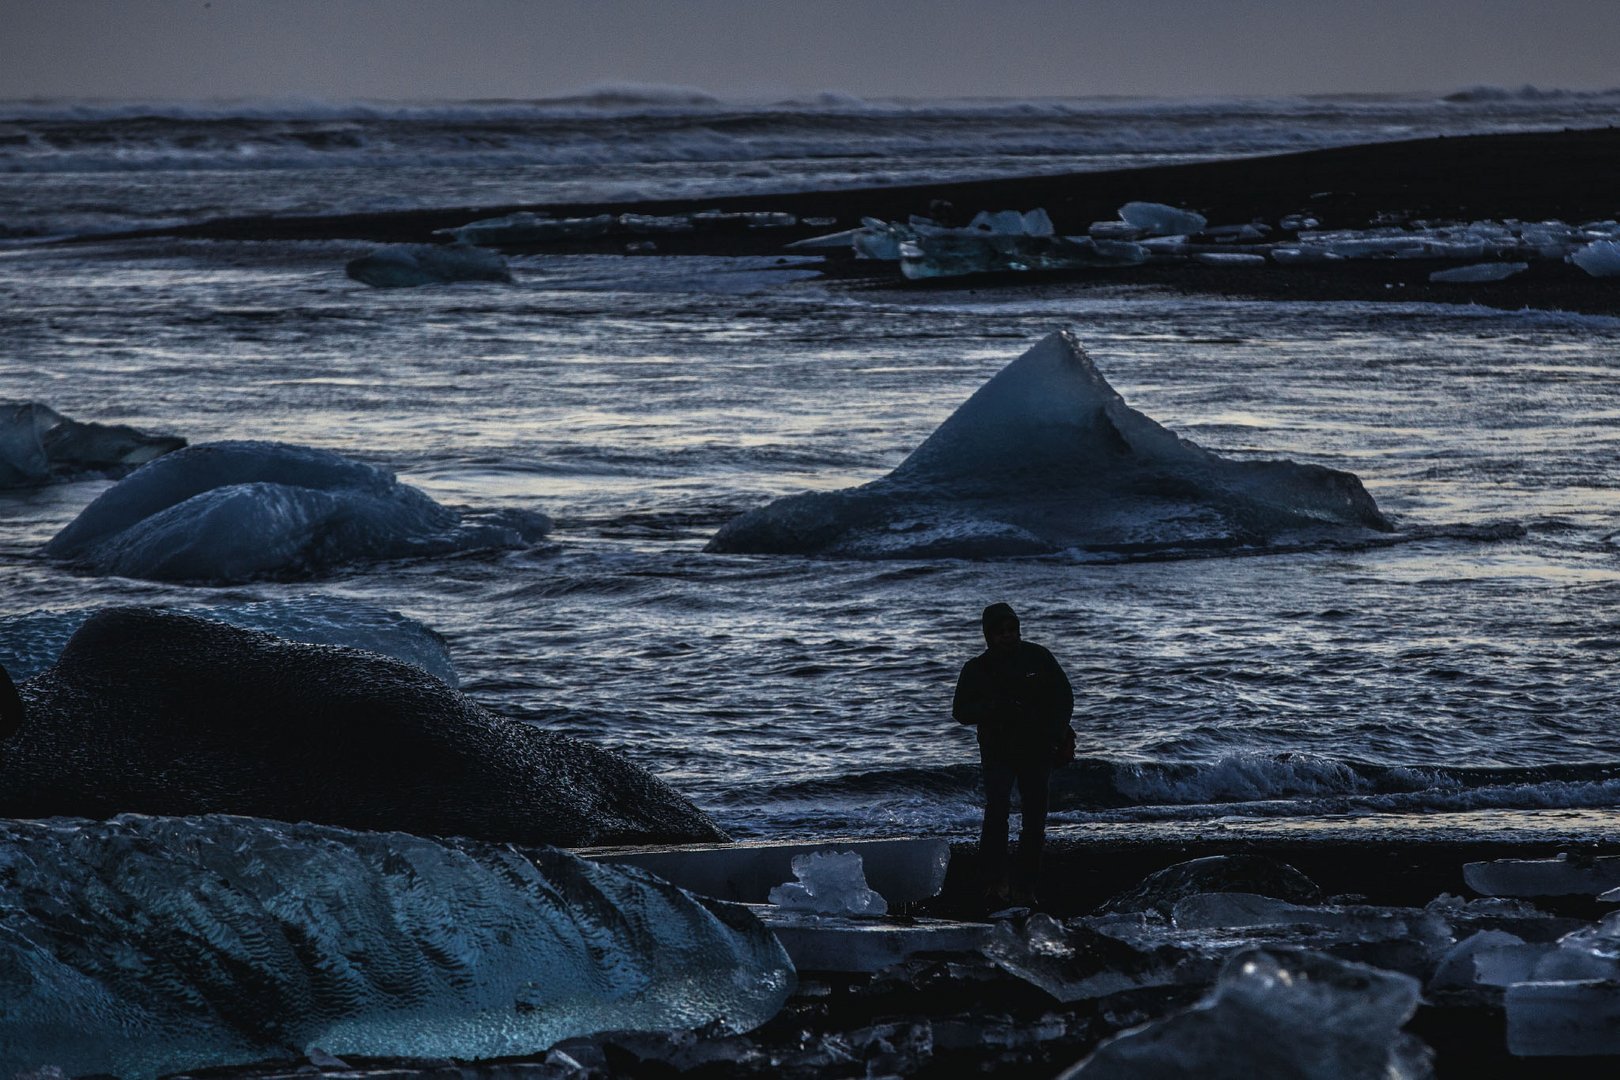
(143, 946)
(234, 511)
(39, 445)
(407, 265)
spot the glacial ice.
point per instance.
(829, 883)
(159, 713)
(407, 265)
(1600, 258)
(235, 511)
(32, 642)
(1460, 966)
(1079, 961)
(525, 228)
(1563, 1019)
(1277, 1013)
(1497, 271)
(1255, 874)
(143, 946)
(1563, 876)
(1157, 219)
(1047, 457)
(956, 252)
(39, 445)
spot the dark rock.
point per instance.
(158, 713)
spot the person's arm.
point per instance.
(975, 701)
(1061, 696)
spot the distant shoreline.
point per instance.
(1565, 175)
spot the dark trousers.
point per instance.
(999, 778)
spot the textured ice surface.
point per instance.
(31, 642)
(235, 511)
(1480, 272)
(1277, 1014)
(1046, 457)
(1590, 953)
(1260, 874)
(1601, 258)
(831, 883)
(1077, 962)
(1157, 219)
(142, 946)
(159, 713)
(1459, 966)
(406, 265)
(39, 445)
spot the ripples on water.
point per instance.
(643, 402)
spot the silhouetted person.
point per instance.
(1018, 697)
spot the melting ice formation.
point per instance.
(1046, 457)
(1278, 1013)
(144, 946)
(159, 713)
(1006, 240)
(39, 445)
(406, 265)
(32, 642)
(829, 883)
(235, 511)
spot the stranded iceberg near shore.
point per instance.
(158, 713)
(1047, 457)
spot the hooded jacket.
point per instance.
(1019, 699)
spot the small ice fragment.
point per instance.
(1295, 222)
(408, 265)
(1479, 272)
(322, 1060)
(1229, 233)
(1223, 258)
(830, 883)
(1544, 877)
(1504, 965)
(830, 241)
(1563, 1019)
(1157, 219)
(1458, 968)
(1600, 258)
(1277, 1013)
(1114, 230)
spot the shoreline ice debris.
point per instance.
(38, 446)
(1278, 1013)
(1046, 457)
(145, 946)
(234, 511)
(829, 883)
(1600, 258)
(992, 242)
(403, 266)
(1157, 219)
(1496, 271)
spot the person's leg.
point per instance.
(1033, 778)
(999, 777)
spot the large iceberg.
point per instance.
(158, 713)
(145, 946)
(236, 511)
(39, 445)
(1047, 457)
(403, 266)
(32, 641)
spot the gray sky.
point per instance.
(433, 49)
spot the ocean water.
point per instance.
(641, 402)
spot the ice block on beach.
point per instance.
(1563, 1019)
(1157, 219)
(1562, 876)
(1600, 258)
(409, 265)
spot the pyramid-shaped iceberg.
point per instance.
(1047, 457)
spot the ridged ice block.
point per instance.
(143, 946)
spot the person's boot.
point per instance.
(997, 897)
